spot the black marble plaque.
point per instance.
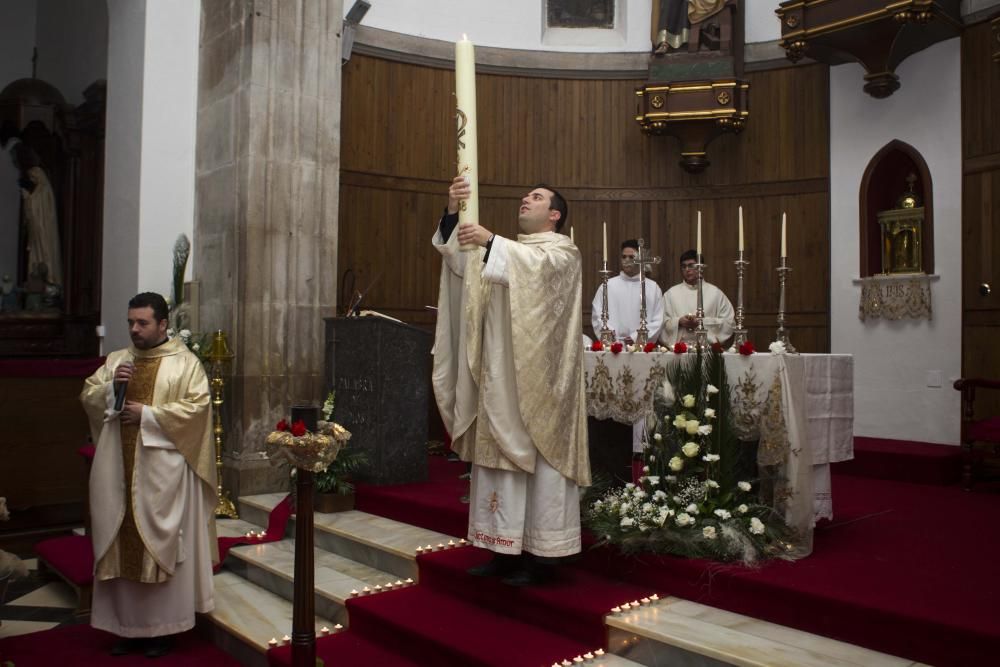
(381, 371)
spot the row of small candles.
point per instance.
(255, 535)
(784, 235)
(586, 657)
(324, 631)
(441, 546)
(635, 604)
(379, 588)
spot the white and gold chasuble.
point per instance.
(152, 494)
(508, 379)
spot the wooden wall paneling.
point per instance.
(579, 136)
(980, 93)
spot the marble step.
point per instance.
(680, 632)
(378, 542)
(246, 617)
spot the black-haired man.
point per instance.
(680, 304)
(152, 486)
(508, 378)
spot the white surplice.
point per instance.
(172, 496)
(528, 505)
(624, 306)
(682, 299)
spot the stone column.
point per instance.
(268, 161)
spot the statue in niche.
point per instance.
(673, 21)
(38, 209)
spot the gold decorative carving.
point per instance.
(792, 21)
(723, 98)
(656, 102)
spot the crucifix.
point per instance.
(642, 261)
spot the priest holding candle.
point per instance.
(508, 372)
(680, 303)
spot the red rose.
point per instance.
(680, 347)
(281, 426)
(746, 348)
(650, 346)
(299, 428)
(597, 346)
(616, 348)
(717, 347)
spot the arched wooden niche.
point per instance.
(884, 181)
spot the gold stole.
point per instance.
(127, 558)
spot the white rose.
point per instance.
(723, 514)
(742, 509)
(756, 526)
(639, 494)
(690, 449)
(705, 430)
(627, 521)
(196, 347)
(629, 486)
(711, 389)
(597, 504)
(691, 509)
(676, 463)
(653, 480)
(692, 426)
(688, 401)
(709, 413)
(710, 458)
(645, 470)
(708, 532)
(744, 486)
(683, 519)
(680, 422)
(777, 347)
(711, 484)
(170, 332)
(657, 437)
(185, 333)
(659, 496)
(652, 457)
(647, 508)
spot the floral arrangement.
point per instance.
(337, 476)
(698, 495)
(304, 449)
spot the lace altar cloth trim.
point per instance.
(893, 298)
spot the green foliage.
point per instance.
(698, 496)
(337, 477)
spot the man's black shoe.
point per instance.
(531, 573)
(159, 646)
(128, 645)
(501, 566)
(453, 457)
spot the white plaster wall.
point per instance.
(149, 177)
(512, 24)
(169, 110)
(17, 37)
(123, 150)
(893, 359)
(760, 24)
(72, 39)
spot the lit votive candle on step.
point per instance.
(588, 656)
(409, 581)
(654, 597)
(338, 627)
(599, 652)
(324, 630)
(286, 639)
(366, 590)
(272, 643)
(354, 593)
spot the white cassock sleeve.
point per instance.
(451, 251)
(722, 321)
(152, 434)
(654, 311)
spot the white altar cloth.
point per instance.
(817, 397)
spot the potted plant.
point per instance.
(334, 488)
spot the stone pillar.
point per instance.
(267, 179)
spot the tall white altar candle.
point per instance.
(698, 245)
(571, 236)
(741, 229)
(605, 241)
(784, 238)
(468, 149)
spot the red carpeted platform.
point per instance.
(903, 461)
(83, 645)
(904, 568)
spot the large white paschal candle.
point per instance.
(784, 236)
(468, 150)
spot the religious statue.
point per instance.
(38, 214)
(673, 19)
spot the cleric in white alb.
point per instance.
(681, 304)
(623, 301)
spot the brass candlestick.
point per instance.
(700, 333)
(783, 270)
(741, 332)
(220, 358)
(607, 335)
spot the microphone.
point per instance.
(120, 392)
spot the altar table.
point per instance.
(812, 394)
